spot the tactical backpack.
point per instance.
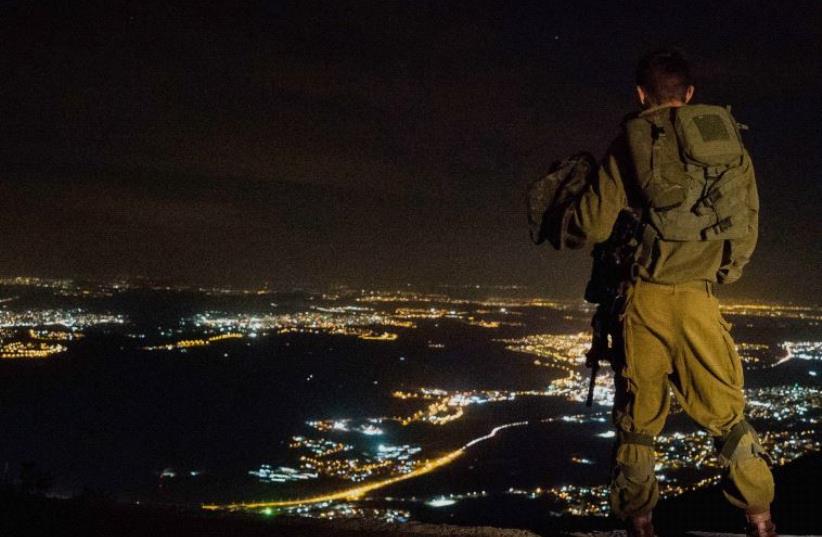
(693, 172)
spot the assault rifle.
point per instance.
(611, 274)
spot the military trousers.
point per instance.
(675, 340)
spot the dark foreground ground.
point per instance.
(798, 511)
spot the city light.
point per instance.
(341, 463)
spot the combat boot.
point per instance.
(640, 526)
(760, 525)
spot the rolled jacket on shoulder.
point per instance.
(550, 199)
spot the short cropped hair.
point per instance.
(664, 75)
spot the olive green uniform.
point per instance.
(674, 336)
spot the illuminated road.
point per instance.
(358, 492)
(788, 356)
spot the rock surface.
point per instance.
(368, 527)
(694, 533)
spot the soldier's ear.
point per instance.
(689, 93)
(640, 95)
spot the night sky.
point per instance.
(369, 143)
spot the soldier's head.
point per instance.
(663, 77)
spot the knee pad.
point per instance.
(639, 439)
(634, 465)
(733, 448)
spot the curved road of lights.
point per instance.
(358, 492)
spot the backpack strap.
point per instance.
(664, 199)
(720, 200)
(647, 248)
(657, 135)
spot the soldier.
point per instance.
(683, 170)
